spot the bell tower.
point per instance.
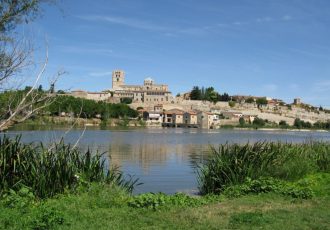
(118, 78)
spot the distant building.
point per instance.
(149, 92)
(190, 118)
(297, 101)
(205, 120)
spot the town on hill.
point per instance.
(203, 107)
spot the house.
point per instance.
(249, 118)
(231, 115)
(190, 119)
(152, 117)
(205, 120)
(173, 117)
(158, 108)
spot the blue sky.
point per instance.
(276, 48)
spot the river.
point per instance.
(164, 159)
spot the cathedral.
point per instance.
(149, 92)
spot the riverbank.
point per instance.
(104, 207)
(67, 122)
(263, 185)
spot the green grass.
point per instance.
(253, 186)
(106, 207)
(51, 170)
(232, 164)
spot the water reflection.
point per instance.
(164, 159)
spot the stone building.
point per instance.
(149, 92)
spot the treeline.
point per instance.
(208, 94)
(88, 108)
(298, 124)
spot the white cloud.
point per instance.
(85, 50)
(286, 18)
(100, 74)
(134, 23)
(264, 19)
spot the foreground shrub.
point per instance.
(266, 185)
(158, 200)
(233, 164)
(49, 171)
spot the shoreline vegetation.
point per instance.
(68, 110)
(267, 185)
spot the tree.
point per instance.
(15, 58)
(241, 121)
(223, 97)
(250, 100)
(232, 103)
(298, 123)
(196, 93)
(259, 122)
(261, 101)
(126, 100)
(283, 123)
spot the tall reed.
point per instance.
(49, 171)
(231, 164)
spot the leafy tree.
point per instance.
(60, 91)
(223, 97)
(283, 123)
(16, 57)
(126, 100)
(259, 122)
(261, 101)
(232, 103)
(241, 121)
(196, 93)
(250, 100)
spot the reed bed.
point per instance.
(50, 171)
(232, 164)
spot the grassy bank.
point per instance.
(262, 185)
(104, 207)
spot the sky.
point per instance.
(274, 48)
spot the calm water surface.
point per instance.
(163, 159)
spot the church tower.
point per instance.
(118, 78)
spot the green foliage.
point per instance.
(88, 108)
(250, 100)
(252, 219)
(266, 185)
(46, 218)
(322, 125)
(196, 93)
(301, 124)
(232, 103)
(158, 200)
(259, 122)
(49, 171)
(232, 164)
(207, 94)
(283, 124)
(241, 121)
(126, 100)
(224, 97)
(262, 101)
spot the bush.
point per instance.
(232, 103)
(49, 171)
(157, 200)
(259, 122)
(232, 164)
(266, 185)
